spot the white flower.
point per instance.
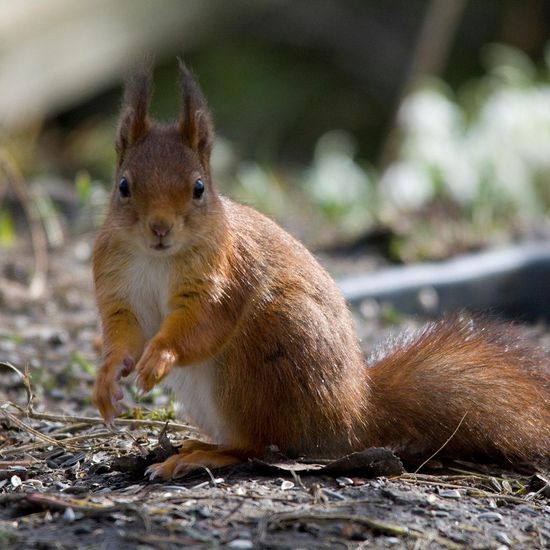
(406, 186)
(335, 178)
(428, 113)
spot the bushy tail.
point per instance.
(485, 381)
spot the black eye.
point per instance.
(198, 189)
(124, 188)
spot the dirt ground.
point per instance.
(63, 483)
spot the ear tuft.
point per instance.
(134, 121)
(195, 123)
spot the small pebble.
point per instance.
(490, 516)
(333, 494)
(343, 481)
(204, 512)
(285, 485)
(450, 493)
(431, 499)
(69, 515)
(503, 538)
(15, 481)
(241, 544)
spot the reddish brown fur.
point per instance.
(134, 121)
(243, 295)
(485, 377)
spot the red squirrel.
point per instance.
(255, 339)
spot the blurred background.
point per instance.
(379, 132)
(414, 129)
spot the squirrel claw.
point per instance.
(154, 365)
(170, 469)
(181, 464)
(110, 424)
(152, 472)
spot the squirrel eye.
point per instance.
(198, 189)
(124, 188)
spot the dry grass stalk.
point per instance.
(14, 179)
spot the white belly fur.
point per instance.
(148, 290)
(193, 388)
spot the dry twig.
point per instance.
(26, 428)
(91, 420)
(442, 446)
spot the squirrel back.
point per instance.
(256, 340)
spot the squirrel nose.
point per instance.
(160, 229)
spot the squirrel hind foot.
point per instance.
(190, 445)
(183, 463)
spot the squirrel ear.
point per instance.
(195, 123)
(134, 122)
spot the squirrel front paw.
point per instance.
(155, 363)
(107, 391)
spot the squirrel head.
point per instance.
(163, 200)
